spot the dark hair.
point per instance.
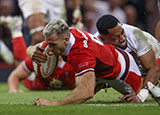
(106, 22)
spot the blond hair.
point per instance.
(57, 26)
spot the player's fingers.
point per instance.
(133, 100)
(41, 49)
(13, 91)
(37, 62)
(39, 59)
(130, 98)
(124, 98)
(39, 55)
(38, 102)
(21, 91)
(136, 99)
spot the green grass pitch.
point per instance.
(103, 103)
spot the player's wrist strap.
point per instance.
(76, 12)
(37, 29)
(143, 94)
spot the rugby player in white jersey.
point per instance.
(92, 61)
(39, 12)
(133, 40)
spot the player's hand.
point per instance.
(16, 91)
(44, 102)
(36, 54)
(130, 98)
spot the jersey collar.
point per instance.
(70, 44)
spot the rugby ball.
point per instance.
(49, 67)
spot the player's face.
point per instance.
(116, 36)
(57, 45)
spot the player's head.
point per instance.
(57, 35)
(111, 31)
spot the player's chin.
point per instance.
(123, 46)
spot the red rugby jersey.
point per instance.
(86, 53)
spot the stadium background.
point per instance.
(141, 13)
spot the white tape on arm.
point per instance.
(76, 12)
(143, 94)
(37, 29)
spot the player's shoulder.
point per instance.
(72, 29)
(128, 27)
(130, 30)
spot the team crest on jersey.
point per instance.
(47, 68)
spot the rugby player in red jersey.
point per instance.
(92, 61)
(46, 76)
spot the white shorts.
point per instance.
(51, 8)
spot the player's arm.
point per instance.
(84, 90)
(157, 31)
(149, 62)
(36, 24)
(15, 77)
(147, 57)
(34, 15)
(77, 16)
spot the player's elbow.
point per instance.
(88, 95)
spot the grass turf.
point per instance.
(103, 103)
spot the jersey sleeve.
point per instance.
(142, 45)
(82, 62)
(19, 48)
(28, 65)
(29, 7)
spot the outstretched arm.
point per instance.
(83, 91)
(157, 31)
(150, 64)
(15, 77)
(36, 24)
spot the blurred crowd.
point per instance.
(141, 13)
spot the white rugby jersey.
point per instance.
(138, 41)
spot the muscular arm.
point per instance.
(149, 62)
(13, 80)
(34, 21)
(77, 3)
(157, 31)
(83, 91)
